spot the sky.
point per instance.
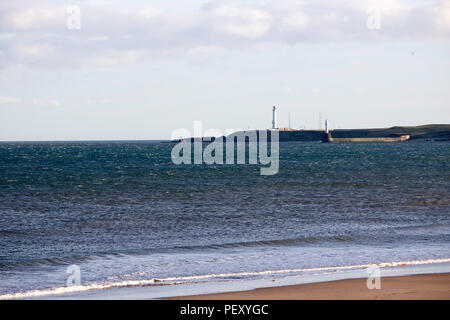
(132, 70)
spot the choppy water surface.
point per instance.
(122, 211)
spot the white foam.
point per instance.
(187, 279)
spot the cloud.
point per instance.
(31, 17)
(287, 89)
(9, 100)
(240, 21)
(204, 50)
(116, 57)
(99, 101)
(33, 52)
(54, 103)
(115, 33)
(294, 21)
(442, 20)
(46, 103)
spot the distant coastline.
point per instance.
(430, 132)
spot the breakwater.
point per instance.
(433, 132)
(329, 138)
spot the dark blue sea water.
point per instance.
(122, 211)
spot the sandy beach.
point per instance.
(427, 286)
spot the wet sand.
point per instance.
(427, 286)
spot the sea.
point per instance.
(78, 216)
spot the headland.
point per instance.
(430, 132)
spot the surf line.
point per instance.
(184, 279)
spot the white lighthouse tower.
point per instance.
(274, 118)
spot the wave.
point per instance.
(426, 227)
(195, 278)
(54, 261)
(274, 242)
(425, 203)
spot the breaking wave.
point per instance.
(197, 278)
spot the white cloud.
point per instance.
(201, 55)
(240, 21)
(392, 7)
(113, 58)
(250, 30)
(99, 101)
(287, 89)
(32, 51)
(442, 21)
(117, 33)
(98, 38)
(294, 21)
(46, 103)
(358, 89)
(148, 13)
(54, 103)
(26, 16)
(22, 20)
(9, 100)
(204, 50)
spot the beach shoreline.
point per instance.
(272, 287)
(411, 287)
